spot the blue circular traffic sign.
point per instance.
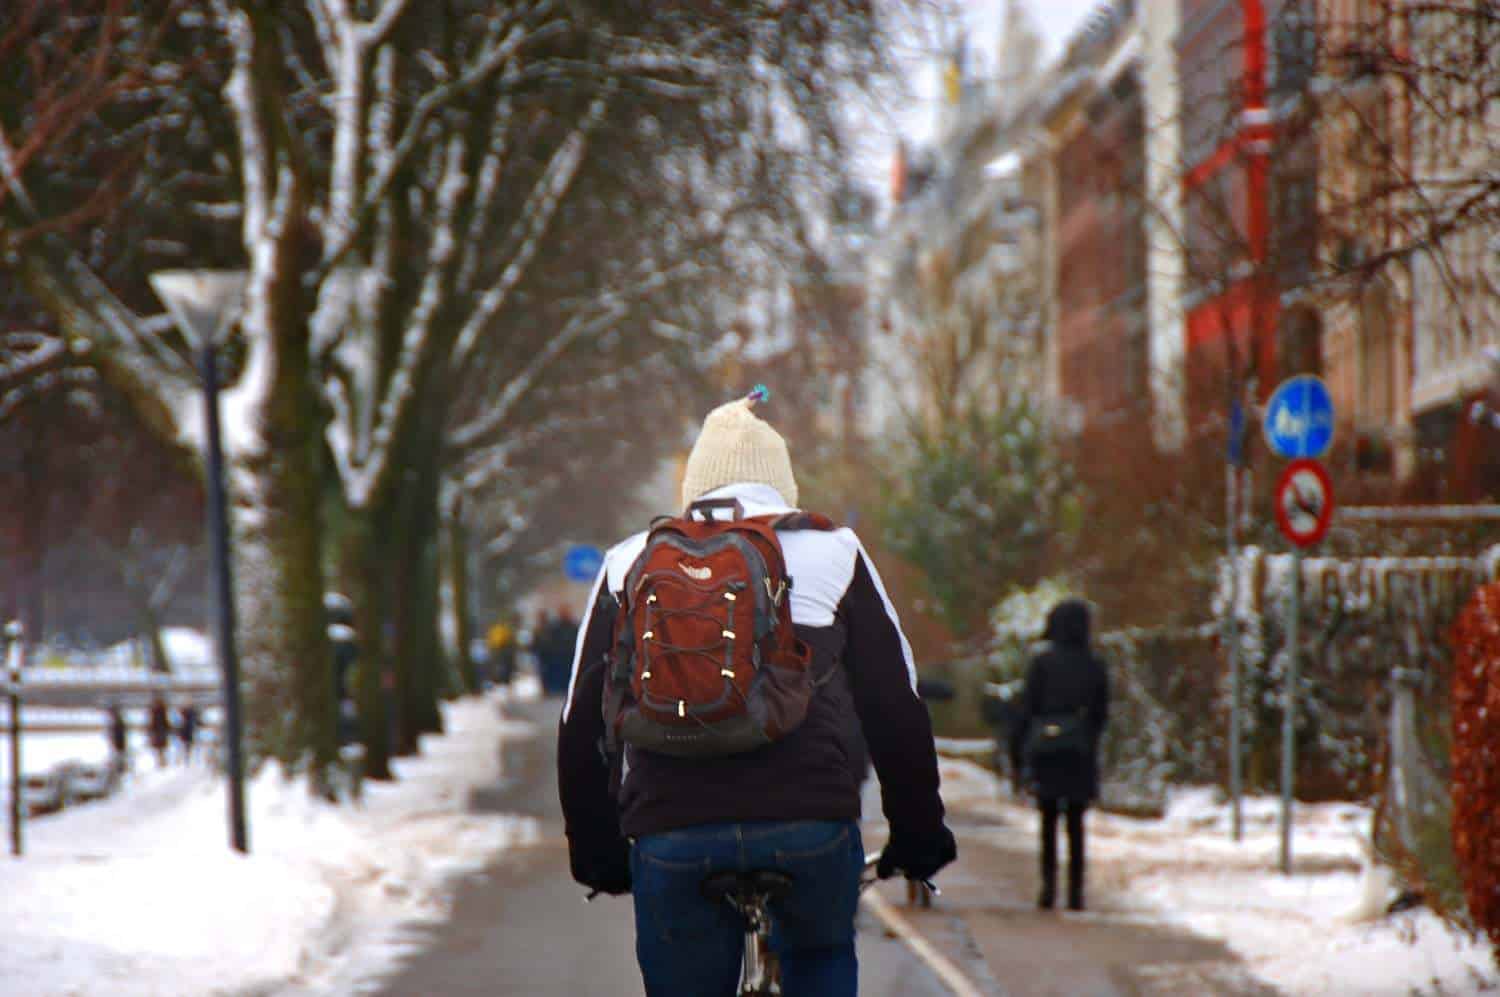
(582, 562)
(1299, 418)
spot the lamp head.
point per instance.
(203, 303)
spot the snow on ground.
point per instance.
(140, 893)
(1303, 934)
(40, 752)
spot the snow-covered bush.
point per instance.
(1163, 726)
(1017, 621)
(1373, 695)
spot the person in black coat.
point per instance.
(1055, 741)
(119, 739)
(187, 731)
(159, 730)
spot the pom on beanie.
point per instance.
(737, 446)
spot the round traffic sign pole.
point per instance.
(1304, 508)
(1304, 502)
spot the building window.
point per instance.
(1301, 342)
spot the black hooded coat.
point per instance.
(1064, 677)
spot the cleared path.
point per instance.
(521, 927)
(987, 922)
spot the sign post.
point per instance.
(1298, 425)
(1289, 711)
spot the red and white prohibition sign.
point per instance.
(1304, 502)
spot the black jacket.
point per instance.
(840, 609)
(1064, 677)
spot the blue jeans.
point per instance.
(689, 947)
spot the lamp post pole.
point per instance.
(218, 528)
(204, 304)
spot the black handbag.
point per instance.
(1058, 734)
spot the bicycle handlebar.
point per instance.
(869, 876)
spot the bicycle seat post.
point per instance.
(757, 975)
(751, 894)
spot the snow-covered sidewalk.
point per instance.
(140, 893)
(1309, 933)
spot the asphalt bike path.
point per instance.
(987, 923)
(520, 926)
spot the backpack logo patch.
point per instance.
(702, 574)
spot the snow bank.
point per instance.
(40, 752)
(1301, 933)
(140, 894)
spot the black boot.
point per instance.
(1075, 857)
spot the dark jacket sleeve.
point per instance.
(583, 772)
(894, 720)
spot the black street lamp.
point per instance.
(205, 304)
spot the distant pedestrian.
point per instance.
(1055, 742)
(555, 639)
(119, 740)
(500, 644)
(187, 731)
(159, 730)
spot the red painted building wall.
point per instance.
(1232, 302)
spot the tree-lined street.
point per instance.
(341, 339)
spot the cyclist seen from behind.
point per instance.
(731, 660)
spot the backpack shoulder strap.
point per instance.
(799, 520)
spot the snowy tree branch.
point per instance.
(541, 205)
(502, 48)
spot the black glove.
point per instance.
(601, 865)
(917, 856)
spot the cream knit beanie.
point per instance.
(734, 446)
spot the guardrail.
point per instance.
(91, 687)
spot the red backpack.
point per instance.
(705, 661)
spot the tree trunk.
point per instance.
(366, 557)
(458, 594)
(417, 586)
(380, 561)
(434, 679)
(278, 473)
(148, 627)
(288, 660)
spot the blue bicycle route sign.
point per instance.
(582, 562)
(1299, 418)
